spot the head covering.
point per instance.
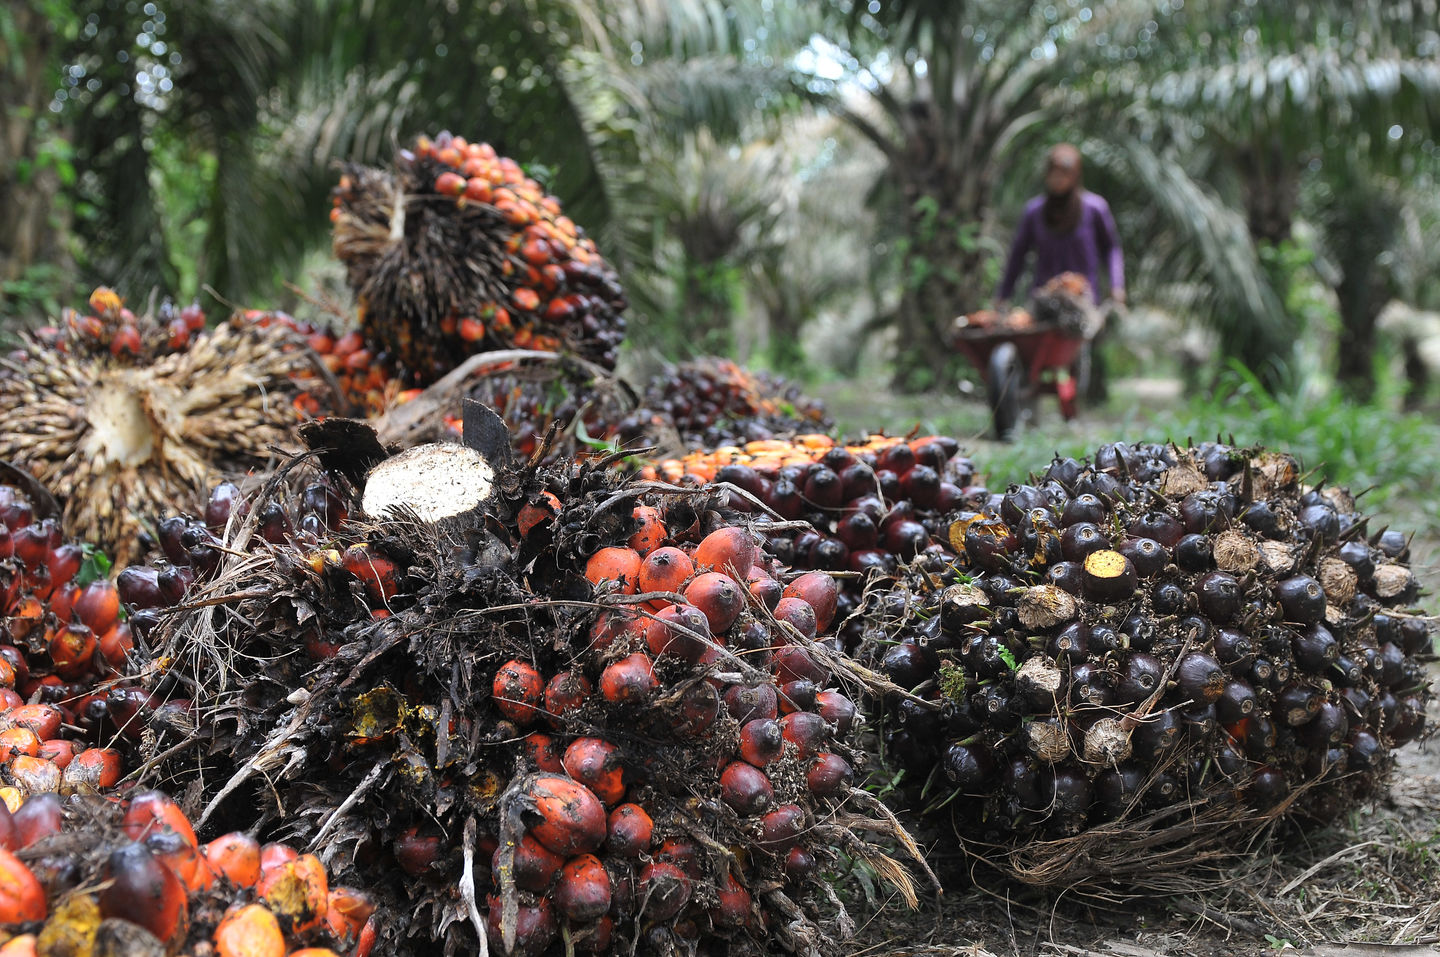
(1062, 210)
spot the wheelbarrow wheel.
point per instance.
(1006, 380)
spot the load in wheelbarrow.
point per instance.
(1022, 358)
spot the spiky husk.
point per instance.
(123, 437)
(440, 276)
(358, 716)
(1196, 708)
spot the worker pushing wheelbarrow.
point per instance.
(1024, 354)
(1070, 231)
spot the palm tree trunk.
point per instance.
(34, 230)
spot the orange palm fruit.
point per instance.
(250, 931)
(22, 898)
(235, 857)
(616, 564)
(650, 531)
(297, 892)
(154, 810)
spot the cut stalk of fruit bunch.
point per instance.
(515, 719)
(124, 416)
(1142, 660)
(502, 266)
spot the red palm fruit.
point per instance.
(72, 648)
(143, 891)
(595, 763)
(837, 709)
(781, 828)
(650, 531)
(806, 730)
(15, 658)
(273, 855)
(62, 600)
(366, 941)
(799, 613)
(729, 550)
(680, 630)
(139, 587)
(718, 597)
(613, 625)
(732, 905)
(22, 899)
(130, 709)
(543, 751)
(794, 663)
(534, 514)
(765, 589)
(518, 691)
(235, 857)
(378, 574)
(43, 719)
(820, 592)
(346, 913)
(297, 893)
(182, 858)
(631, 679)
(92, 770)
(747, 704)
(630, 830)
(535, 926)
(155, 810)
(583, 892)
(598, 938)
(615, 564)
(249, 931)
(665, 889)
(450, 183)
(665, 569)
(98, 605)
(417, 853)
(799, 863)
(572, 819)
(829, 776)
(40, 816)
(761, 741)
(18, 741)
(9, 699)
(534, 867)
(699, 708)
(564, 694)
(27, 617)
(32, 544)
(745, 788)
(683, 853)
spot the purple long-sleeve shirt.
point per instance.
(1078, 251)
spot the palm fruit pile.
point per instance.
(366, 383)
(123, 416)
(456, 251)
(1142, 659)
(711, 402)
(62, 648)
(551, 709)
(91, 876)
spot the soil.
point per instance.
(1366, 885)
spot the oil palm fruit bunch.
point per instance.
(710, 402)
(123, 416)
(583, 407)
(456, 251)
(1143, 659)
(366, 379)
(549, 708)
(63, 649)
(90, 876)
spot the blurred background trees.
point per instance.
(808, 185)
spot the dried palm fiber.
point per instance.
(551, 758)
(455, 251)
(123, 418)
(1142, 663)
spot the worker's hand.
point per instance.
(1118, 295)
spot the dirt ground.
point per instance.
(1366, 885)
